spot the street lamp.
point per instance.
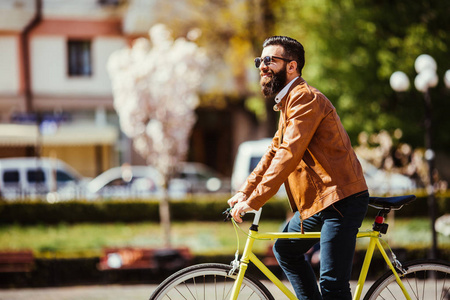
(426, 78)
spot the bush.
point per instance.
(28, 213)
(127, 211)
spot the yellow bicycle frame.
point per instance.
(248, 256)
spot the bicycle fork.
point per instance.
(242, 268)
(248, 256)
(375, 241)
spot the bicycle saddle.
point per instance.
(391, 202)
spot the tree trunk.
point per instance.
(164, 214)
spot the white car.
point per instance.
(145, 182)
(381, 182)
(124, 182)
(199, 178)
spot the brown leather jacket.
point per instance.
(311, 154)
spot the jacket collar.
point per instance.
(282, 95)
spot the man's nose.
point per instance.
(263, 66)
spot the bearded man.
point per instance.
(312, 155)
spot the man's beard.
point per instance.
(270, 86)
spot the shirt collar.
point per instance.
(284, 91)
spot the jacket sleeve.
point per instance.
(303, 115)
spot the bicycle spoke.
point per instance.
(204, 287)
(228, 293)
(223, 292)
(187, 287)
(180, 293)
(413, 286)
(195, 288)
(444, 293)
(425, 280)
(249, 296)
(392, 294)
(208, 282)
(418, 284)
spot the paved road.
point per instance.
(95, 292)
(120, 292)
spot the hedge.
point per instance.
(127, 211)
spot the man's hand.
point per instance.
(237, 202)
(238, 197)
(239, 209)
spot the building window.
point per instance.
(80, 62)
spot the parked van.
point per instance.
(248, 156)
(31, 177)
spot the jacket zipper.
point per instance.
(283, 121)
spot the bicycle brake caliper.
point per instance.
(398, 264)
(234, 264)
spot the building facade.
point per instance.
(55, 92)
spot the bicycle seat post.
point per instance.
(379, 224)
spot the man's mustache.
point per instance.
(266, 72)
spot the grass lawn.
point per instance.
(203, 238)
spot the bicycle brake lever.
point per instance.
(227, 214)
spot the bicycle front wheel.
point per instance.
(424, 280)
(209, 282)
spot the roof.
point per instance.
(64, 135)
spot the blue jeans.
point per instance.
(339, 224)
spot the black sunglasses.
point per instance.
(267, 60)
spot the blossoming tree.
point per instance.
(154, 86)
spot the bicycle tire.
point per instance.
(424, 280)
(208, 281)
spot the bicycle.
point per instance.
(423, 279)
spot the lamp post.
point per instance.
(426, 78)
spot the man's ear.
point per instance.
(292, 66)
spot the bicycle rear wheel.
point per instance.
(208, 281)
(424, 280)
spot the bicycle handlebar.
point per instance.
(257, 213)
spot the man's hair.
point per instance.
(292, 49)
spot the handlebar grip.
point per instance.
(228, 216)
